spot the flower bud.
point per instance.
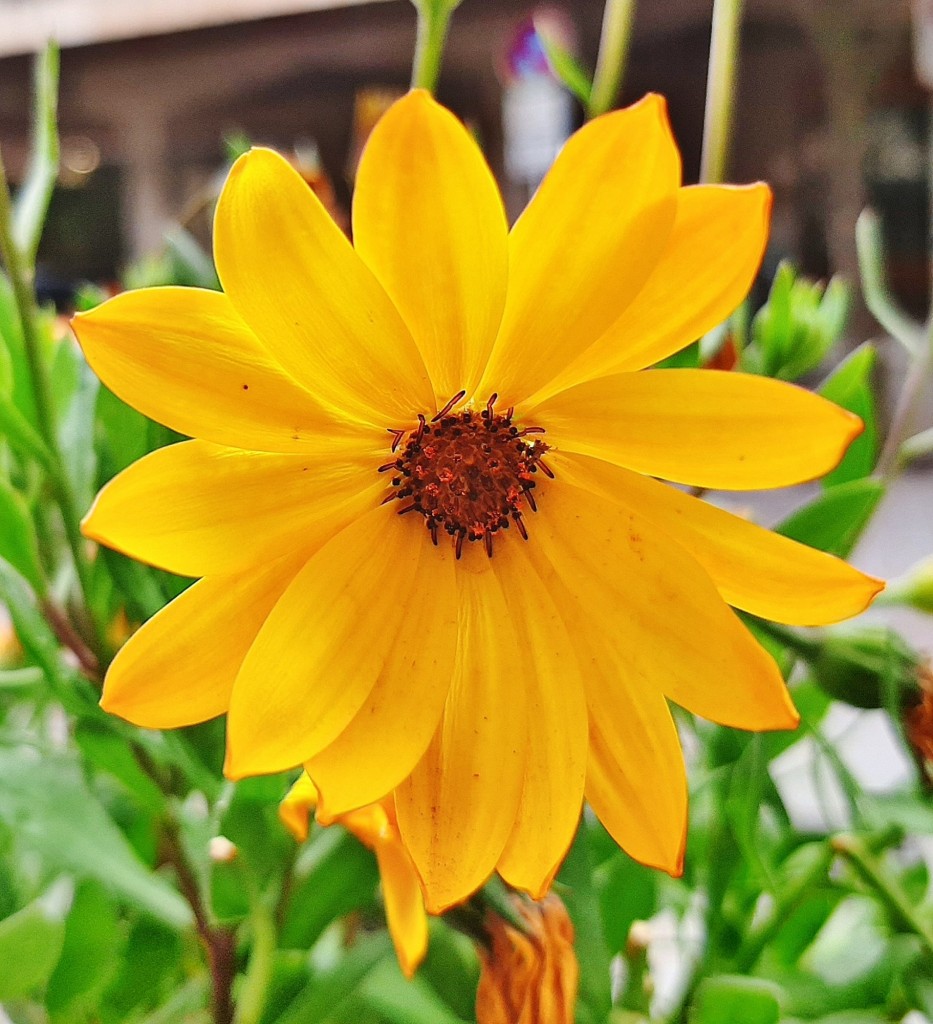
(914, 588)
(863, 668)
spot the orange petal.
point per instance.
(728, 431)
(585, 245)
(404, 903)
(340, 625)
(556, 756)
(295, 279)
(179, 668)
(391, 731)
(710, 262)
(183, 357)
(199, 509)
(457, 808)
(295, 809)
(754, 569)
(428, 221)
(650, 614)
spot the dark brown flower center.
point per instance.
(469, 473)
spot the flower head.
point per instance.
(436, 561)
(375, 826)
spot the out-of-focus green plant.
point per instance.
(798, 326)
(138, 886)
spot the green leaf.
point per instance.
(730, 999)
(32, 202)
(835, 520)
(149, 972)
(628, 892)
(47, 804)
(109, 752)
(850, 385)
(333, 984)
(18, 544)
(387, 993)
(31, 942)
(89, 956)
(340, 877)
(567, 69)
(76, 425)
(11, 331)
(22, 438)
(578, 892)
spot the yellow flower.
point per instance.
(452, 365)
(375, 826)
(529, 977)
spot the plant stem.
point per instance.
(252, 994)
(720, 89)
(855, 851)
(618, 16)
(433, 22)
(219, 943)
(889, 462)
(21, 280)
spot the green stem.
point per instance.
(720, 89)
(252, 994)
(786, 903)
(433, 22)
(890, 460)
(21, 278)
(855, 851)
(801, 645)
(618, 16)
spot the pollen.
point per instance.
(469, 473)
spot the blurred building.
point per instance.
(830, 111)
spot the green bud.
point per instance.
(864, 668)
(914, 588)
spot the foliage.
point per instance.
(119, 903)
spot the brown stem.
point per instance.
(219, 943)
(69, 636)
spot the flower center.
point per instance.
(469, 473)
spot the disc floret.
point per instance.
(469, 473)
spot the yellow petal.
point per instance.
(295, 279)
(710, 262)
(428, 221)
(457, 808)
(199, 509)
(754, 569)
(585, 245)
(651, 614)
(556, 718)
(295, 809)
(179, 668)
(340, 625)
(635, 781)
(404, 903)
(729, 431)
(391, 731)
(183, 357)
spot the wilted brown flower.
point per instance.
(918, 724)
(529, 977)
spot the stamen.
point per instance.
(448, 406)
(470, 474)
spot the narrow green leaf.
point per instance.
(333, 985)
(565, 66)
(11, 331)
(31, 942)
(578, 892)
(835, 520)
(850, 385)
(32, 202)
(53, 814)
(89, 956)
(387, 993)
(20, 435)
(18, 544)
